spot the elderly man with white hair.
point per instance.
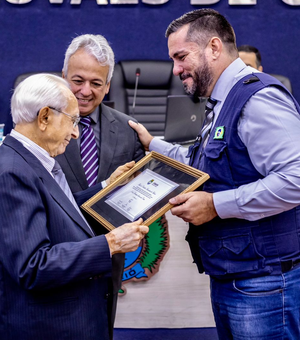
(55, 273)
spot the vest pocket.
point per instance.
(216, 164)
(229, 255)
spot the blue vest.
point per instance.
(236, 248)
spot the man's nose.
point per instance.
(75, 132)
(177, 69)
(86, 88)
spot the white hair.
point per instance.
(95, 45)
(35, 92)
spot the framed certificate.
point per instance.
(144, 191)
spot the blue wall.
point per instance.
(34, 36)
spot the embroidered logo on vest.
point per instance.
(219, 132)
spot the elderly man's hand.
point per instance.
(143, 134)
(194, 207)
(127, 237)
(119, 171)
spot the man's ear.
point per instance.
(107, 88)
(216, 46)
(63, 74)
(43, 118)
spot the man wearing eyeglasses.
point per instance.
(54, 271)
(75, 119)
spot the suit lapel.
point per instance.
(49, 182)
(72, 155)
(109, 134)
(62, 200)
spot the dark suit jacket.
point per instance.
(53, 282)
(119, 144)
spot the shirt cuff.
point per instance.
(158, 145)
(225, 204)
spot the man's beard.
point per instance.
(202, 79)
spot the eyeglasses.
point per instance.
(75, 119)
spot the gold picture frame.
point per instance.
(185, 178)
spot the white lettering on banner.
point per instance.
(78, 2)
(242, 2)
(292, 2)
(204, 2)
(149, 2)
(18, 2)
(230, 2)
(112, 2)
(157, 2)
(123, 2)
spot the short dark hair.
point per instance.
(207, 21)
(251, 49)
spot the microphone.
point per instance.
(137, 75)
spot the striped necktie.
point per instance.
(60, 178)
(88, 151)
(209, 117)
(195, 151)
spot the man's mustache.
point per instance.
(184, 76)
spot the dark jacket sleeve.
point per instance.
(83, 196)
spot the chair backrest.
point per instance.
(285, 81)
(155, 83)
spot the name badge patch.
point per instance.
(219, 132)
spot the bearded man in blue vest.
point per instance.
(245, 222)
